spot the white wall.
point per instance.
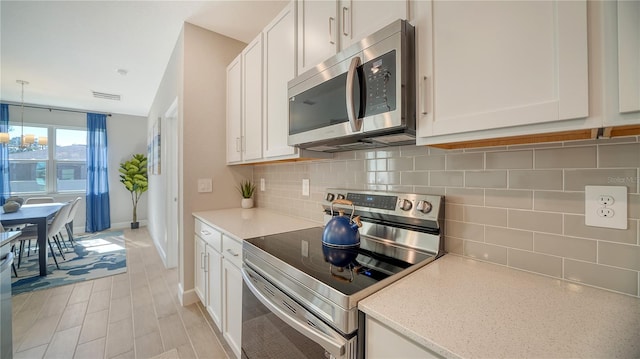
(200, 73)
(126, 135)
(168, 90)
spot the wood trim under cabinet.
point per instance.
(587, 134)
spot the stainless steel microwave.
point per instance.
(363, 97)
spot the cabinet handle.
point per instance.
(201, 260)
(237, 144)
(425, 97)
(331, 41)
(243, 143)
(206, 266)
(205, 232)
(344, 21)
(232, 253)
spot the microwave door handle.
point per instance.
(356, 123)
(329, 344)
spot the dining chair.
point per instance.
(36, 200)
(72, 214)
(13, 249)
(54, 229)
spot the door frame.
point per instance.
(172, 222)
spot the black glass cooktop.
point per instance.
(346, 270)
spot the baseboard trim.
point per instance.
(186, 297)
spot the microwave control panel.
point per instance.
(380, 84)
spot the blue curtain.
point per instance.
(5, 187)
(98, 217)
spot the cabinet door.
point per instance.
(383, 342)
(214, 287)
(317, 32)
(361, 18)
(252, 100)
(234, 110)
(501, 64)
(200, 275)
(629, 56)
(279, 68)
(232, 316)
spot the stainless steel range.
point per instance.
(296, 304)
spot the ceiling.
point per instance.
(67, 49)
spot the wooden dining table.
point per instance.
(38, 214)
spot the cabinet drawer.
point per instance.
(232, 250)
(210, 235)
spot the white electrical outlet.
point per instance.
(262, 185)
(305, 187)
(605, 206)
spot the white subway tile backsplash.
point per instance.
(486, 179)
(510, 160)
(535, 262)
(574, 226)
(465, 161)
(575, 180)
(508, 237)
(568, 247)
(556, 201)
(521, 206)
(446, 178)
(509, 199)
(485, 215)
(566, 157)
(535, 179)
(485, 252)
(620, 280)
(535, 221)
(626, 155)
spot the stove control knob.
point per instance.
(405, 204)
(340, 196)
(330, 197)
(424, 207)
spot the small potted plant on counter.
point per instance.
(246, 189)
(133, 175)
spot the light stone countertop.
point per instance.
(460, 307)
(254, 222)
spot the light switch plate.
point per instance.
(305, 187)
(605, 206)
(262, 185)
(204, 185)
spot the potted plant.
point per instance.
(133, 174)
(246, 189)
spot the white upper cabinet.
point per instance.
(234, 111)
(496, 65)
(621, 61)
(317, 32)
(360, 18)
(328, 26)
(279, 68)
(252, 100)
(629, 55)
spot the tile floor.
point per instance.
(131, 315)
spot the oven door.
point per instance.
(276, 326)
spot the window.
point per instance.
(36, 167)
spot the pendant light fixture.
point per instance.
(23, 137)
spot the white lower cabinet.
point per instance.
(384, 342)
(200, 274)
(232, 305)
(218, 280)
(214, 285)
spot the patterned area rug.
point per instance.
(93, 256)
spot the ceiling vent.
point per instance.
(106, 96)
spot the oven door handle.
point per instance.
(329, 344)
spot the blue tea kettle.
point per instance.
(342, 231)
